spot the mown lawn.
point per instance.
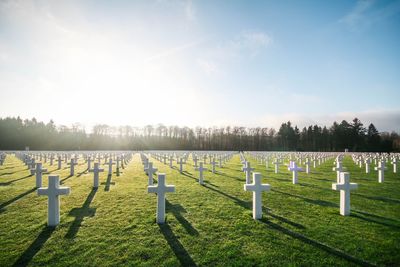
(206, 225)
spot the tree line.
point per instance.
(17, 134)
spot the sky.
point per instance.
(201, 63)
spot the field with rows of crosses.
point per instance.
(206, 225)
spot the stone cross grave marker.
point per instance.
(110, 163)
(161, 189)
(72, 167)
(53, 191)
(247, 170)
(344, 187)
(276, 163)
(201, 169)
(338, 170)
(96, 170)
(381, 171)
(39, 171)
(150, 171)
(257, 188)
(294, 169)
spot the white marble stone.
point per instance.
(344, 187)
(53, 191)
(39, 171)
(367, 165)
(338, 170)
(381, 171)
(110, 164)
(96, 170)
(276, 163)
(161, 189)
(248, 170)
(294, 169)
(394, 163)
(150, 171)
(72, 167)
(257, 188)
(201, 169)
(180, 162)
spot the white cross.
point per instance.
(276, 163)
(344, 186)
(96, 170)
(200, 169)
(59, 160)
(257, 189)
(338, 170)
(38, 171)
(195, 159)
(150, 171)
(72, 167)
(213, 163)
(367, 165)
(394, 162)
(294, 169)
(53, 191)
(171, 158)
(110, 164)
(247, 169)
(308, 163)
(160, 189)
(180, 162)
(381, 171)
(89, 163)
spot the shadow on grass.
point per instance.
(285, 220)
(10, 182)
(53, 170)
(34, 248)
(208, 182)
(179, 250)
(108, 183)
(189, 175)
(177, 210)
(315, 186)
(237, 169)
(316, 244)
(309, 200)
(7, 173)
(82, 173)
(238, 201)
(80, 214)
(5, 204)
(369, 217)
(9, 167)
(66, 178)
(320, 179)
(384, 199)
(230, 176)
(283, 180)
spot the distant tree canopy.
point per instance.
(16, 134)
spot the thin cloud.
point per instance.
(366, 13)
(246, 44)
(208, 66)
(190, 11)
(171, 51)
(250, 42)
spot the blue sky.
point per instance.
(250, 63)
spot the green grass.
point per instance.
(206, 225)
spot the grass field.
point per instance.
(206, 225)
